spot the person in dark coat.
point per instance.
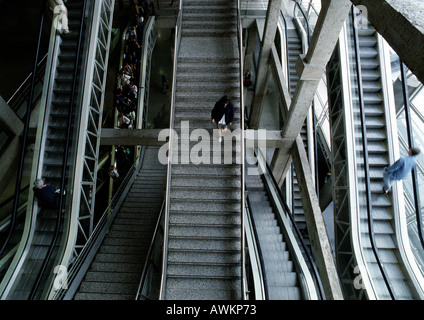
(222, 114)
(46, 194)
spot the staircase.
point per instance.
(282, 279)
(116, 270)
(204, 244)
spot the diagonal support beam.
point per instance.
(320, 244)
(401, 23)
(311, 67)
(262, 72)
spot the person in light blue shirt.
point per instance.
(399, 169)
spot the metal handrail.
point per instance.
(177, 38)
(65, 159)
(366, 162)
(411, 145)
(287, 47)
(261, 258)
(308, 29)
(242, 147)
(25, 131)
(297, 231)
(15, 99)
(149, 253)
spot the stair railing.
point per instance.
(256, 266)
(177, 40)
(242, 149)
(365, 155)
(151, 269)
(255, 238)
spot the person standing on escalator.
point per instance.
(60, 9)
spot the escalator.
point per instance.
(282, 280)
(56, 137)
(372, 226)
(294, 46)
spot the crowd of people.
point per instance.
(127, 79)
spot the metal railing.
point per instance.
(242, 148)
(151, 270)
(177, 40)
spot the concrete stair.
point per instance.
(116, 270)
(204, 244)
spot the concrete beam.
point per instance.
(149, 137)
(131, 137)
(320, 243)
(262, 72)
(401, 23)
(310, 69)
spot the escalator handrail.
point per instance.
(25, 131)
(309, 36)
(308, 29)
(287, 47)
(411, 145)
(258, 245)
(365, 155)
(296, 230)
(65, 158)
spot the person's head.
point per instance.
(414, 151)
(38, 183)
(225, 100)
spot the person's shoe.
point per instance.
(384, 190)
(219, 139)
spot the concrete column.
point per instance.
(250, 47)
(310, 69)
(262, 73)
(401, 23)
(320, 243)
(330, 22)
